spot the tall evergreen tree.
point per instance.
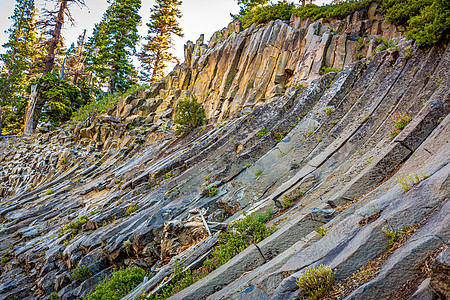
(162, 27)
(52, 23)
(113, 43)
(19, 63)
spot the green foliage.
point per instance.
(103, 104)
(258, 173)
(262, 133)
(329, 70)
(81, 273)
(212, 191)
(73, 227)
(54, 296)
(155, 53)
(190, 114)
(238, 236)
(278, 136)
(316, 282)
(264, 14)
(131, 209)
(400, 120)
(119, 285)
(287, 202)
(427, 21)
(112, 45)
(49, 192)
(60, 98)
(431, 25)
(393, 235)
(18, 66)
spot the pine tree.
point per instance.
(163, 25)
(113, 43)
(52, 23)
(19, 64)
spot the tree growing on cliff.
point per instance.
(17, 70)
(162, 27)
(190, 114)
(113, 43)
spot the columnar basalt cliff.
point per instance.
(314, 150)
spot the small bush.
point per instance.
(400, 121)
(287, 202)
(190, 114)
(81, 273)
(393, 235)
(73, 227)
(262, 133)
(54, 296)
(131, 209)
(316, 282)
(49, 192)
(212, 191)
(279, 136)
(258, 173)
(329, 70)
(238, 236)
(119, 285)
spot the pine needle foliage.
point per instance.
(156, 52)
(190, 114)
(113, 43)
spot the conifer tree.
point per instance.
(52, 23)
(163, 25)
(113, 43)
(18, 64)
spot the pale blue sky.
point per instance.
(199, 16)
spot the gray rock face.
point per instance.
(440, 274)
(313, 150)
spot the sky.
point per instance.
(199, 17)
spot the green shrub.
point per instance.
(262, 133)
(212, 191)
(60, 98)
(264, 14)
(81, 273)
(190, 114)
(119, 285)
(400, 120)
(54, 296)
(258, 173)
(427, 21)
(131, 209)
(316, 282)
(103, 104)
(279, 136)
(49, 192)
(329, 70)
(73, 227)
(238, 236)
(287, 202)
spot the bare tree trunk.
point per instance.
(50, 59)
(34, 106)
(29, 116)
(75, 76)
(303, 3)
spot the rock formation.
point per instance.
(122, 190)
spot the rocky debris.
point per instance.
(440, 274)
